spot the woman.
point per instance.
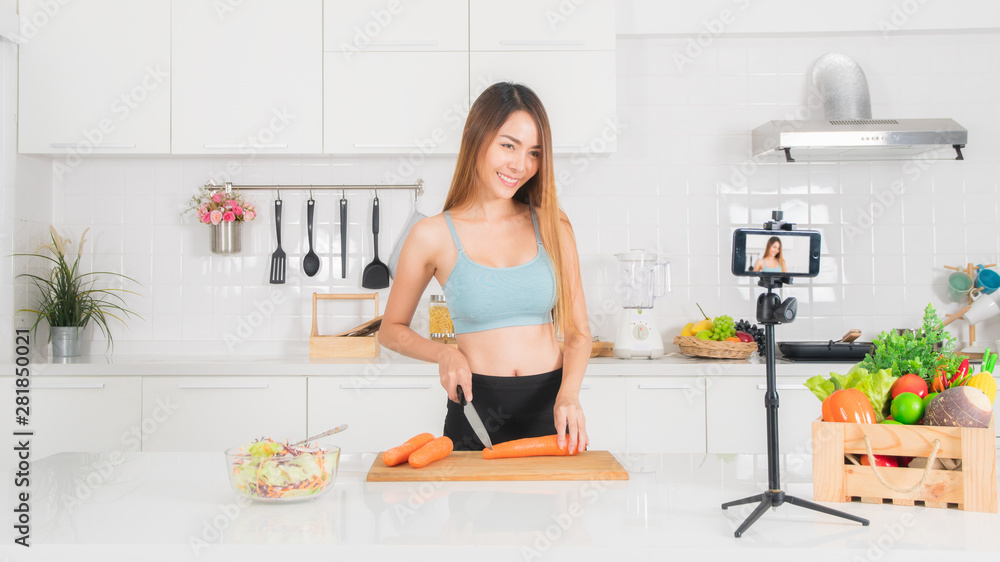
(773, 261)
(505, 256)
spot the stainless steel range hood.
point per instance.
(860, 139)
(847, 131)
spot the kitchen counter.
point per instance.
(673, 363)
(178, 506)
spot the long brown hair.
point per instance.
(781, 250)
(489, 112)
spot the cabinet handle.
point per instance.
(390, 145)
(542, 42)
(105, 145)
(415, 43)
(567, 146)
(586, 386)
(675, 386)
(400, 386)
(221, 385)
(244, 145)
(783, 387)
(68, 385)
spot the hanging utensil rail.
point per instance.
(418, 187)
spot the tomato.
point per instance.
(907, 408)
(880, 460)
(909, 383)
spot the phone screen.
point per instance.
(775, 252)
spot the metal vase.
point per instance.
(226, 237)
(65, 340)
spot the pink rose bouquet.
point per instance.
(212, 205)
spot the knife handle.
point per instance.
(461, 396)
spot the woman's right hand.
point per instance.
(454, 370)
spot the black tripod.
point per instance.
(771, 311)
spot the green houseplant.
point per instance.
(68, 299)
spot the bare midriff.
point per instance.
(512, 352)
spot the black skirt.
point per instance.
(510, 407)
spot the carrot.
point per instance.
(433, 451)
(546, 446)
(399, 455)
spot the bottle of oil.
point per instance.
(441, 327)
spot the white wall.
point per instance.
(679, 184)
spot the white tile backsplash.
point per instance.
(680, 182)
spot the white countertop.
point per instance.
(673, 364)
(178, 506)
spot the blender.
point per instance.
(642, 278)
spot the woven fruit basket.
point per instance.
(697, 347)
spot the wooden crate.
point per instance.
(336, 346)
(973, 487)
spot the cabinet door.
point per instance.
(533, 26)
(381, 412)
(386, 103)
(352, 26)
(603, 401)
(248, 78)
(84, 414)
(665, 414)
(737, 418)
(216, 413)
(95, 78)
(576, 88)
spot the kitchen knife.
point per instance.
(474, 420)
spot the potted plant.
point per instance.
(225, 211)
(68, 299)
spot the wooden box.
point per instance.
(343, 346)
(971, 487)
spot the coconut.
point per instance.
(960, 406)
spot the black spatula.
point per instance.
(376, 274)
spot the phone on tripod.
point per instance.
(759, 252)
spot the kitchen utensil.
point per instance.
(327, 433)
(362, 329)
(343, 236)
(640, 282)
(825, 350)
(282, 478)
(375, 274)
(470, 465)
(982, 308)
(959, 285)
(397, 248)
(278, 257)
(987, 280)
(474, 420)
(310, 263)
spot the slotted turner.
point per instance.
(278, 257)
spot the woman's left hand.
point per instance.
(570, 419)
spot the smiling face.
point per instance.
(511, 158)
(774, 249)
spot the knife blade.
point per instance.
(474, 420)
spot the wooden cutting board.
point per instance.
(470, 465)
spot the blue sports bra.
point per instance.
(485, 298)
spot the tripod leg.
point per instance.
(764, 504)
(749, 499)
(823, 509)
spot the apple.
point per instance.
(744, 337)
(909, 383)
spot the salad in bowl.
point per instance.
(272, 471)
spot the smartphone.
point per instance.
(759, 252)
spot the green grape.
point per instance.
(723, 327)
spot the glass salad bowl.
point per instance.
(270, 471)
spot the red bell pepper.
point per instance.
(963, 370)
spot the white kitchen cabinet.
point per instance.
(577, 89)
(381, 411)
(737, 419)
(84, 414)
(398, 102)
(534, 26)
(216, 413)
(665, 414)
(248, 77)
(95, 78)
(354, 26)
(603, 401)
